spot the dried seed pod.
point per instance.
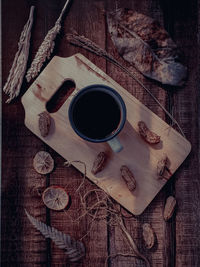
(161, 166)
(43, 162)
(148, 235)
(169, 208)
(99, 163)
(149, 136)
(128, 177)
(44, 123)
(163, 170)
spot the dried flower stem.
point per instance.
(18, 69)
(46, 48)
(89, 45)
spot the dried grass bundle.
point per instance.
(18, 69)
(75, 250)
(46, 48)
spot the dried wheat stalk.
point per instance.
(75, 250)
(46, 48)
(18, 69)
(89, 45)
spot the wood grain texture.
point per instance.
(95, 233)
(153, 214)
(19, 181)
(177, 240)
(185, 105)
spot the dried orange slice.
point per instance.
(55, 197)
(43, 162)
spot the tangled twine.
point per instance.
(112, 214)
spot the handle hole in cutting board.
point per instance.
(60, 96)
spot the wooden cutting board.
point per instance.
(140, 157)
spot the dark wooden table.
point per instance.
(178, 241)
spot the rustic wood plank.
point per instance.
(169, 251)
(153, 214)
(185, 105)
(91, 24)
(177, 240)
(22, 245)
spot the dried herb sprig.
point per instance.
(46, 48)
(18, 69)
(75, 250)
(89, 45)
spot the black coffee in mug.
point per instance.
(96, 114)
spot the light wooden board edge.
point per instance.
(163, 127)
